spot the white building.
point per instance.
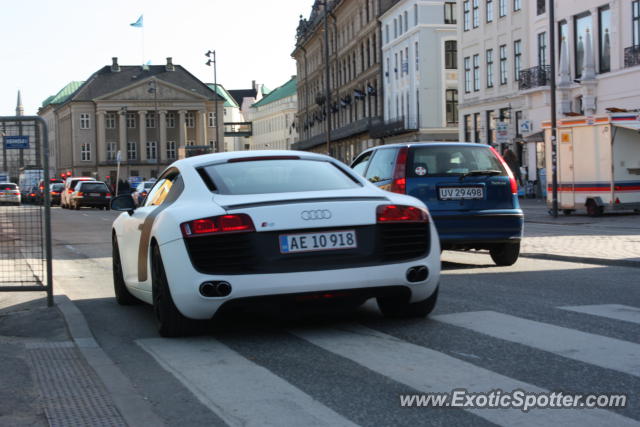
(505, 66)
(420, 80)
(273, 118)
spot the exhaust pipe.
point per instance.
(417, 274)
(215, 289)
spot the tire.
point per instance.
(402, 308)
(567, 212)
(123, 296)
(593, 209)
(170, 322)
(505, 254)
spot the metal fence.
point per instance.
(25, 222)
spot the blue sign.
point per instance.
(16, 142)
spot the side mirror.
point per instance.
(123, 203)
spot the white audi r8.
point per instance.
(229, 229)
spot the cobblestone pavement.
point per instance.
(610, 239)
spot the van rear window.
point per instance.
(452, 161)
(94, 186)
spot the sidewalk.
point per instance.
(611, 239)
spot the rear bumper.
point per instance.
(479, 229)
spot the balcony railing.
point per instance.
(238, 129)
(342, 132)
(632, 56)
(381, 128)
(196, 150)
(534, 77)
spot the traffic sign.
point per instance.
(16, 142)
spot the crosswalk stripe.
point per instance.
(610, 311)
(594, 349)
(427, 371)
(239, 391)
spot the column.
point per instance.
(162, 144)
(101, 145)
(142, 146)
(122, 130)
(202, 128)
(182, 130)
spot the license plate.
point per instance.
(460, 193)
(95, 194)
(325, 241)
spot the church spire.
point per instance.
(19, 106)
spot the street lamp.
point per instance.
(212, 60)
(327, 91)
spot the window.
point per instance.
(161, 189)
(517, 58)
(417, 56)
(396, 67)
(541, 6)
(84, 121)
(489, 60)
(450, 13)
(190, 142)
(415, 14)
(604, 42)
(152, 150)
(491, 126)
(395, 28)
(382, 165)
(476, 73)
(132, 150)
(211, 118)
(563, 35)
(582, 23)
(171, 150)
(467, 12)
(502, 8)
(111, 151)
(489, 10)
(85, 152)
(542, 49)
(110, 121)
(635, 22)
(131, 120)
(505, 115)
(189, 120)
(171, 120)
(452, 106)
(517, 5)
(400, 24)
(360, 164)
(406, 20)
(467, 74)
(467, 128)
(450, 54)
(401, 63)
(476, 13)
(518, 121)
(503, 64)
(477, 127)
(151, 120)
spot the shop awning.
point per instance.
(630, 125)
(535, 137)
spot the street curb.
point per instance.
(584, 260)
(135, 410)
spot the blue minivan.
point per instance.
(468, 188)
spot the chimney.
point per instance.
(114, 65)
(169, 66)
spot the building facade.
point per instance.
(419, 53)
(273, 118)
(351, 103)
(151, 115)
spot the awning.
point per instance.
(631, 125)
(535, 137)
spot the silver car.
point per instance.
(9, 193)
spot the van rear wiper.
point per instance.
(489, 172)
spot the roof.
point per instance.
(63, 94)
(105, 81)
(284, 91)
(240, 94)
(228, 99)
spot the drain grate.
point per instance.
(72, 394)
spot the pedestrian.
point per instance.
(512, 161)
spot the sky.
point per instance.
(49, 43)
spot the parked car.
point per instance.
(141, 192)
(69, 185)
(285, 227)
(10, 193)
(470, 191)
(93, 194)
(55, 191)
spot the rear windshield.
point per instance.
(452, 161)
(8, 187)
(93, 186)
(278, 176)
(148, 184)
(57, 187)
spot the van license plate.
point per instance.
(309, 242)
(460, 193)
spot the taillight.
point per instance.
(401, 213)
(399, 183)
(70, 191)
(55, 193)
(80, 194)
(108, 195)
(32, 195)
(217, 224)
(512, 179)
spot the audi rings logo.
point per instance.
(314, 215)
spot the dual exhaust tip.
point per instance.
(215, 289)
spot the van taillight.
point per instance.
(218, 224)
(399, 183)
(512, 179)
(400, 213)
